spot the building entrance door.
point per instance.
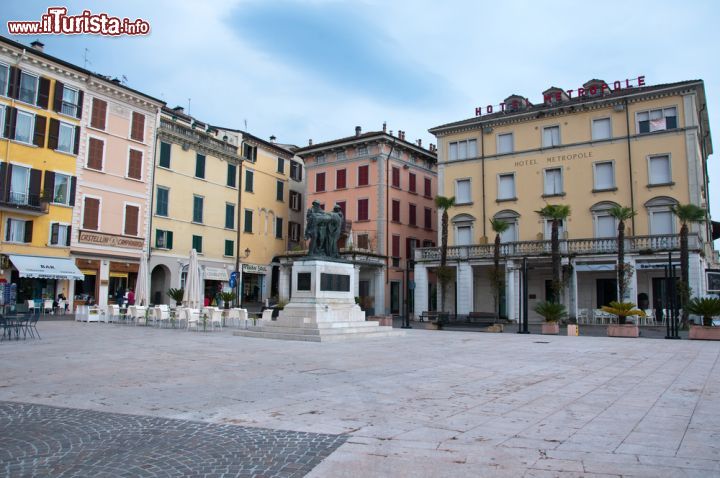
(606, 291)
(395, 298)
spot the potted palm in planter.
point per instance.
(707, 308)
(623, 310)
(176, 295)
(227, 298)
(553, 313)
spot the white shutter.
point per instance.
(548, 229)
(605, 226)
(506, 188)
(661, 222)
(462, 191)
(601, 129)
(462, 150)
(604, 177)
(551, 136)
(464, 236)
(553, 181)
(472, 148)
(659, 170)
(510, 234)
(453, 151)
(505, 143)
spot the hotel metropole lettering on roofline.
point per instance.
(622, 143)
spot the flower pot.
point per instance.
(550, 328)
(701, 332)
(623, 330)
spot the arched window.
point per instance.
(511, 218)
(463, 225)
(604, 225)
(661, 220)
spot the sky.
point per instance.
(315, 69)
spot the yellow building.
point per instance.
(194, 205)
(604, 144)
(268, 175)
(41, 102)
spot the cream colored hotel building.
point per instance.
(617, 143)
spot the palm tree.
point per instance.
(622, 214)
(707, 307)
(498, 226)
(443, 272)
(622, 310)
(687, 214)
(556, 213)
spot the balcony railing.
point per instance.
(23, 202)
(633, 244)
(197, 137)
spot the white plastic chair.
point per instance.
(192, 316)
(649, 317)
(215, 318)
(47, 306)
(162, 315)
(113, 313)
(582, 316)
(31, 305)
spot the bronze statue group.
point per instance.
(323, 229)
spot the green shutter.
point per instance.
(229, 216)
(249, 181)
(164, 155)
(229, 246)
(231, 175)
(158, 234)
(200, 166)
(168, 239)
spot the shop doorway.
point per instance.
(606, 291)
(395, 297)
(252, 287)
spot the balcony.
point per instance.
(196, 139)
(24, 203)
(574, 247)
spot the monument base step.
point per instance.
(308, 334)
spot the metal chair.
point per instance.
(31, 326)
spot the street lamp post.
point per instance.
(406, 319)
(523, 322)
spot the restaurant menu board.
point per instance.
(8, 294)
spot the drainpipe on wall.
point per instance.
(482, 165)
(152, 188)
(238, 279)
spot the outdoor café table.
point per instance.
(14, 323)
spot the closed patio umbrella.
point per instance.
(141, 287)
(193, 294)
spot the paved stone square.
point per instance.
(431, 403)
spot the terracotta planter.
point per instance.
(700, 332)
(623, 330)
(550, 328)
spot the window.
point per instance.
(137, 127)
(395, 246)
(161, 203)
(278, 228)
(248, 221)
(511, 219)
(551, 136)
(19, 184)
(605, 225)
(462, 191)
(59, 234)
(69, 101)
(2, 118)
(505, 143)
(281, 165)
(249, 152)
(294, 231)
(17, 230)
(659, 170)
(28, 88)
(229, 248)
(463, 235)
(341, 155)
(604, 175)
(395, 177)
(4, 75)
(24, 127)
(548, 229)
(66, 138)
(412, 183)
(428, 188)
(428, 218)
(295, 200)
(463, 150)
(164, 155)
(98, 114)
(553, 183)
(295, 171)
(656, 120)
(231, 175)
(96, 150)
(249, 175)
(601, 129)
(61, 189)
(395, 153)
(363, 210)
(229, 216)
(340, 179)
(412, 215)
(395, 210)
(135, 162)
(342, 206)
(506, 187)
(362, 150)
(198, 202)
(163, 239)
(661, 222)
(132, 216)
(319, 182)
(197, 243)
(91, 213)
(363, 241)
(280, 191)
(363, 175)
(320, 159)
(200, 166)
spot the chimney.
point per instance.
(38, 45)
(384, 126)
(310, 142)
(420, 143)
(358, 130)
(272, 139)
(116, 81)
(179, 109)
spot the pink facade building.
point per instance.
(386, 187)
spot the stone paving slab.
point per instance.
(432, 403)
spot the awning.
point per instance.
(215, 273)
(46, 267)
(594, 267)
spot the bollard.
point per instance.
(573, 330)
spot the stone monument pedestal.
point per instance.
(322, 307)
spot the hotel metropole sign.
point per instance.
(111, 240)
(578, 92)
